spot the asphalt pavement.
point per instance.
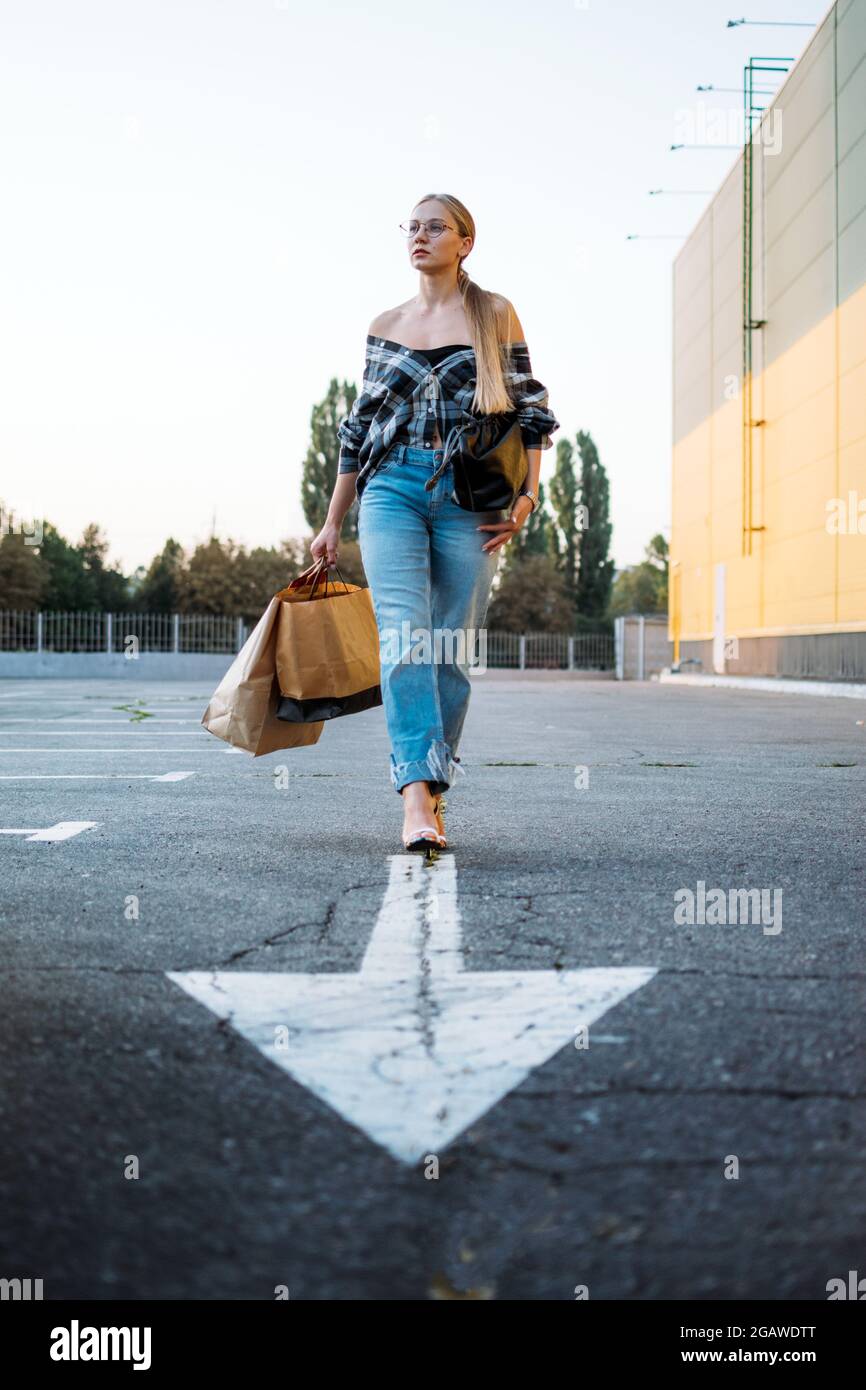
(249, 1044)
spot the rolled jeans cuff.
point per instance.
(439, 768)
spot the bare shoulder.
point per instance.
(384, 324)
(510, 327)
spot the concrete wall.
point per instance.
(160, 666)
(833, 656)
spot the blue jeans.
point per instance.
(427, 575)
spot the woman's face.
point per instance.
(428, 252)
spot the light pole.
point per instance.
(773, 23)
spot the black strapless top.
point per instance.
(436, 355)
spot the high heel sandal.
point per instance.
(429, 836)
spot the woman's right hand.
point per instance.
(327, 543)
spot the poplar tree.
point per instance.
(323, 455)
(563, 499)
(595, 569)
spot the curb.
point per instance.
(780, 685)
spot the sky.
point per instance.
(201, 211)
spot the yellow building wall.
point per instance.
(812, 449)
(808, 365)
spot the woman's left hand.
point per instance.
(519, 512)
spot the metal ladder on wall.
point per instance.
(752, 114)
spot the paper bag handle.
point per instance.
(321, 568)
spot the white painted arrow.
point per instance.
(413, 1048)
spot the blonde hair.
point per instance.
(489, 317)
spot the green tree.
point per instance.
(223, 577)
(595, 569)
(530, 596)
(109, 584)
(160, 588)
(211, 581)
(658, 557)
(71, 586)
(323, 455)
(24, 574)
(563, 498)
(262, 572)
(643, 588)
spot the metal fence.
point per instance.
(116, 632)
(206, 632)
(528, 651)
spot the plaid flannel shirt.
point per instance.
(400, 384)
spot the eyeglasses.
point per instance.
(434, 228)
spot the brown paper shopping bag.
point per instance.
(242, 709)
(327, 651)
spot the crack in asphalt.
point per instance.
(426, 1006)
(268, 941)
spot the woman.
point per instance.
(452, 354)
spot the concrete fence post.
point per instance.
(619, 647)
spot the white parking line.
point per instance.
(63, 830)
(93, 776)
